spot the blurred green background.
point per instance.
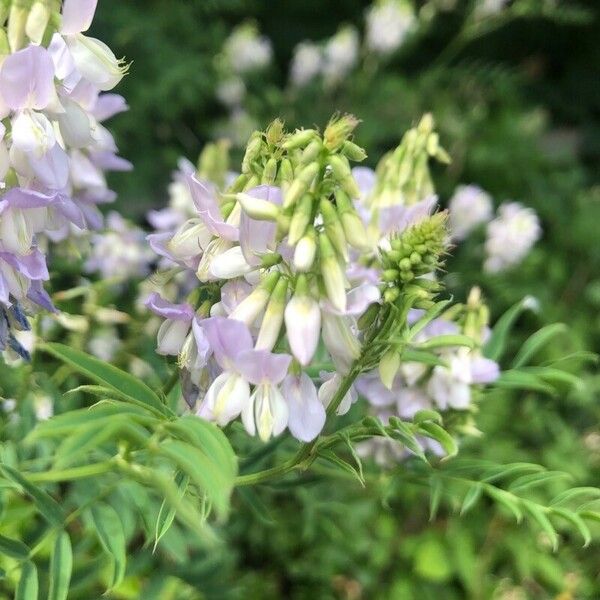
(518, 108)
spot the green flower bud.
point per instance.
(286, 171)
(333, 276)
(299, 139)
(273, 318)
(333, 227)
(388, 368)
(354, 229)
(270, 172)
(353, 151)
(311, 152)
(342, 173)
(301, 219)
(17, 18)
(301, 183)
(37, 21)
(274, 132)
(338, 130)
(253, 150)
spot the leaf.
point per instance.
(522, 380)
(207, 437)
(471, 498)
(204, 472)
(333, 458)
(503, 471)
(422, 416)
(572, 494)
(542, 520)
(107, 375)
(14, 548)
(109, 529)
(536, 342)
(257, 506)
(61, 567)
(435, 496)
(59, 425)
(431, 314)
(505, 499)
(47, 506)
(402, 432)
(527, 482)
(496, 345)
(27, 588)
(556, 376)
(434, 431)
(423, 357)
(444, 341)
(577, 522)
(166, 515)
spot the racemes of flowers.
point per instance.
(313, 288)
(54, 149)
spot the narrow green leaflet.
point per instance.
(166, 514)
(445, 341)
(536, 342)
(471, 498)
(434, 431)
(27, 589)
(109, 529)
(577, 522)
(527, 482)
(542, 520)
(13, 548)
(496, 345)
(123, 383)
(47, 506)
(61, 566)
(523, 380)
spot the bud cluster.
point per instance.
(54, 150)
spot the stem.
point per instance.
(72, 473)
(261, 476)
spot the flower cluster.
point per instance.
(388, 22)
(303, 276)
(53, 147)
(510, 236)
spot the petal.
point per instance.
(109, 105)
(171, 336)
(484, 370)
(306, 413)
(163, 308)
(227, 338)
(303, 325)
(77, 16)
(260, 366)
(229, 264)
(27, 78)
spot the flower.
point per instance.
(510, 236)
(307, 63)
(469, 207)
(388, 23)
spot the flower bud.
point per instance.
(388, 368)
(311, 152)
(353, 151)
(249, 308)
(17, 19)
(190, 239)
(261, 210)
(270, 172)
(253, 150)
(304, 254)
(171, 336)
(286, 171)
(37, 21)
(354, 229)
(299, 139)
(332, 274)
(229, 264)
(333, 228)
(338, 130)
(301, 183)
(274, 132)
(301, 219)
(341, 171)
(303, 323)
(273, 319)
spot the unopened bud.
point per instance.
(17, 20)
(305, 252)
(299, 139)
(301, 219)
(353, 151)
(354, 229)
(301, 184)
(332, 274)
(388, 368)
(286, 171)
(270, 172)
(338, 131)
(342, 172)
(273, 319)
(253, 150)
(311, 152)
(303, 323)
(333, 227)
(261, 210)
(37, 21)
(274, 132)
(250, 307)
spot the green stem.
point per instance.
(261, 476)
(171, 382)
(72, 473)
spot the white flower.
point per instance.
(388, 22)
(340, 55)
(306, 63)
(469, 207)
(510, 236)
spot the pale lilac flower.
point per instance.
(306, 412)
(329, 387)
(469, 207)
